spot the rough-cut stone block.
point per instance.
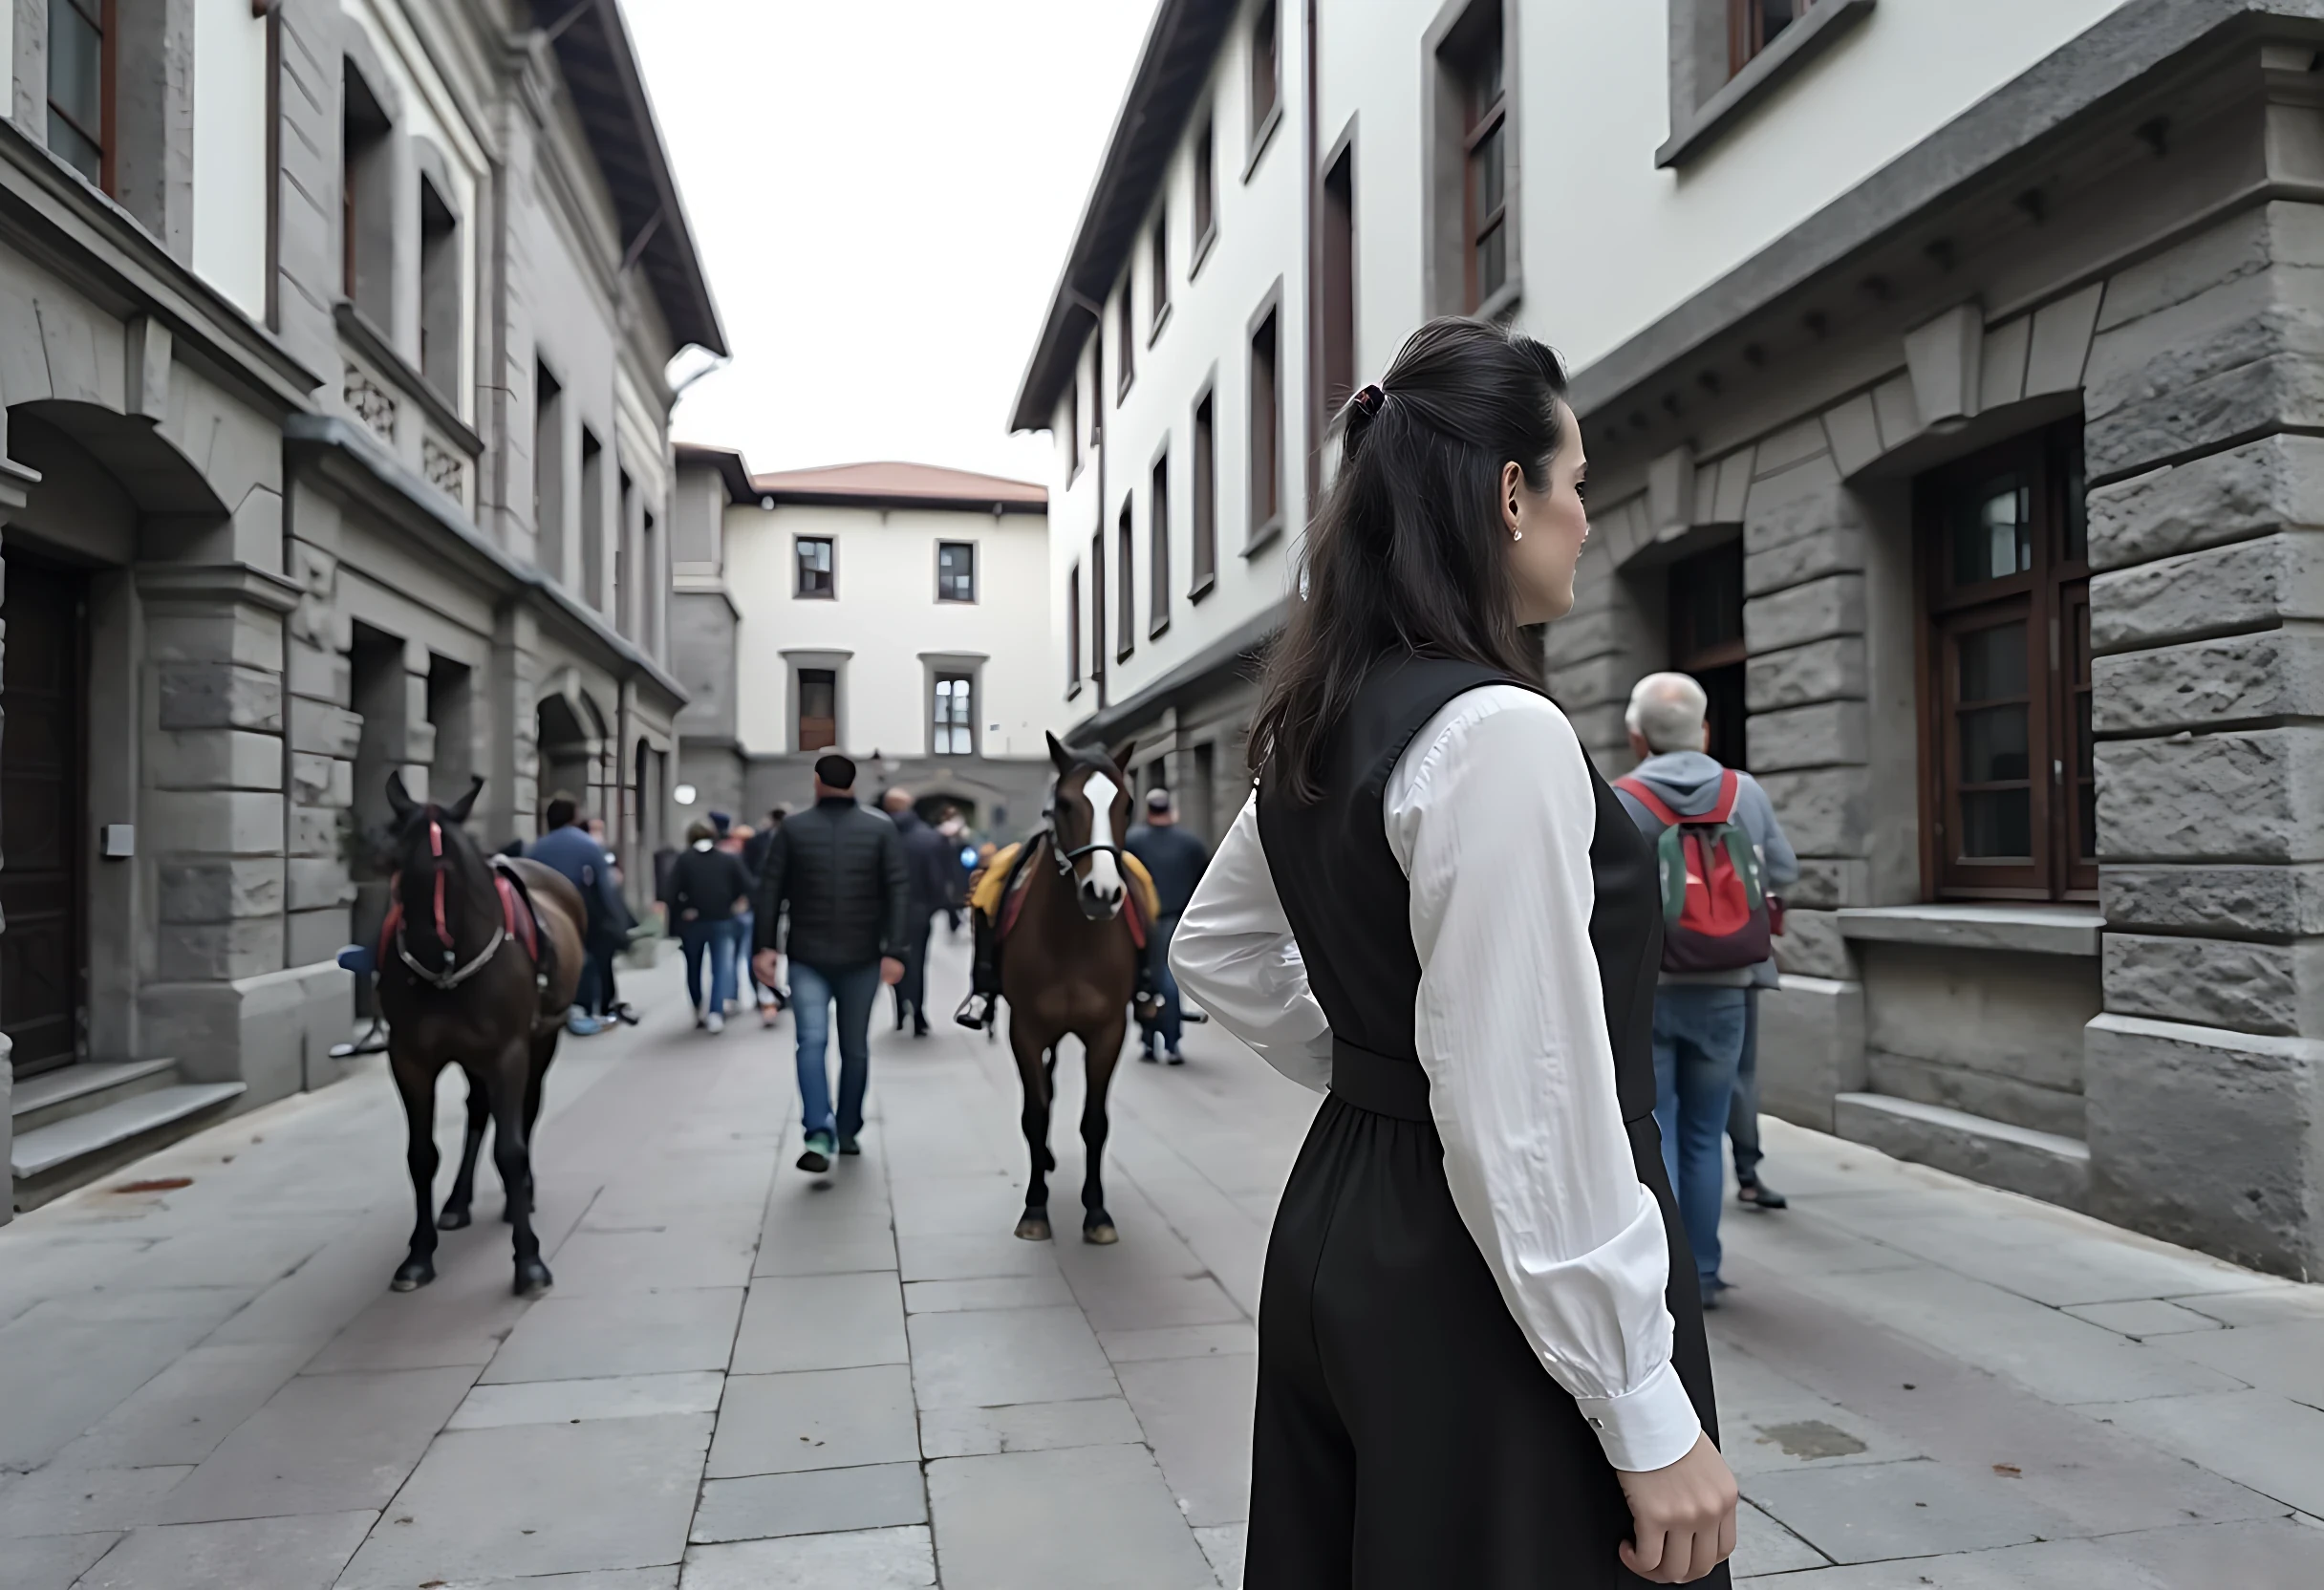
(1822, 671)
(219, 696)
(318, 831)
(1827, 734)
(1599, 680)
(1827, 883)
(2245, 901)
(1825, 810)
(1795, 443)
(1854, 433)
(213, 822)
(326, 675)
(323, 728)
(221, 890)
(2238, 796)
(1600, 728)
(314, 935)
(1836, 552)
(1577, 639)
(2209, 1138)
(1811, 947)
(209, 952)
(2167, 410)
(2218, 982)
(2274, 483)
(1778, 495)
(320, 780)
(2276, 672)
(2040, 1165)
(1813, 612)
(215, 758)
(316, 883)
(2248, 585)
(1779, 518)
(2242, 245)
(1810, 1048)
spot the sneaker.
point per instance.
(818, 1156)
(583, 1027)
(715, 1023)
(626, 1014)
(975, 1011)
(698, 1019)
(849, 1146)
(1175, 1058)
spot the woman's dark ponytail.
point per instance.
(1409, 552)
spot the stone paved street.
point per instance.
(749, 1378)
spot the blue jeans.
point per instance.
(813, 989)
(1170, 1023)
(1743, 1111)
(1698, 1042)
(718, 939)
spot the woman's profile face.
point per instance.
(1547, 527)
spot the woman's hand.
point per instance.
(689, 914)
(1684, 1516)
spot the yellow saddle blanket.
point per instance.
(984, 890)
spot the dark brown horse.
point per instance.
(1070, 966)
(458, 987)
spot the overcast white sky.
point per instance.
(883, 192)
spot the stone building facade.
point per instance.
(1948, 375)
(331, 346)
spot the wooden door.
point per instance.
(43, 951)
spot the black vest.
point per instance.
(1350, 907)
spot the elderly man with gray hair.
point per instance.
(1704, 1025)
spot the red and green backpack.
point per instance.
(1716, 913)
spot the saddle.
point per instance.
(998, 891)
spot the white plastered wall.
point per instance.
(230, 151)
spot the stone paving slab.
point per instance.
(79, 1501)
(990, 1358)
(534, 1500)
(1094, 1518)
(1196, 1415)
(304, 1553)
(870, 1559)
(1865, 1512)
(642, 1333)
(816, 1502)
(55, 1561)
(1027, 1426)
(821, 1419)
(570, 1401)
(2259, 1440)
(843, 1322)
(792, 1248)
(1764, 1546)
(955, 1297)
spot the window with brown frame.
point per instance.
(2005, 673)
(1266, 73)
(1206, 189)
(1205, 516)
(80, 86)
(1125, 570)
(1266, 431)
(1752, 25)
(1157, 264)
(818, 709)
(1073, 632)
(1340, 281)
(1157, 535)
(818, 575)
(1485, 171)
(1705, 608)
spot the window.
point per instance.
(1340, 281)
(1073, 632)
(1205, 571)
(1485, 181)
(2006, 673)
(1752, 25)
(1073, 429)
(1125, 570)
(438, 292)
(592, 519)
(649, 588)
(80, 86)
(1157, 535)
(818, 708)
(1266, 430)
(955, 570)
(952, 720)
(1097, 609)
(817, 577)
(1127, 337)
(627, 503)
(1097, 386)
(1206, 191)
(367, 199)
(1705, 595)
(1266, 75)
(1157, 266)
(549, 470)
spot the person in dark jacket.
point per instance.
(709, 887)
(1175, 859)
(840, 869)
(928, 863)
(568, 848)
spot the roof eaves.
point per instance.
(732, 471)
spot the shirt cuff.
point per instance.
(1649, 1426)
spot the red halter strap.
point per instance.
(443, 933)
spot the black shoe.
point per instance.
(847, 1146)
(818, 1156)
(1756, 1194)
(976, 1011)
(1175, 1058)
(920, 1026)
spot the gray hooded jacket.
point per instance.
(1688, 783)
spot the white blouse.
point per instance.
(1490, 812)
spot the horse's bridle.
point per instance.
(1065, 858)
(450, 976)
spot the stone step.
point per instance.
(84, 1087)
(50, 1157)
(2039, 1164)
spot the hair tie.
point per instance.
(1367, 399)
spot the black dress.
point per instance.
(1406, 1434)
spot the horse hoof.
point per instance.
(1103, 1233)
(1034, 1228)
(532, 1280)
(452, 1219)
(416, 1273)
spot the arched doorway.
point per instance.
(567, 753)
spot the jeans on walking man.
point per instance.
(928, 859)
(840, 869)
(1701, 1018)
(1176, 860)
(709, 894)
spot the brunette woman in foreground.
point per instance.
(1481, 1359)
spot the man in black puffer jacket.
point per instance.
(841, 871)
